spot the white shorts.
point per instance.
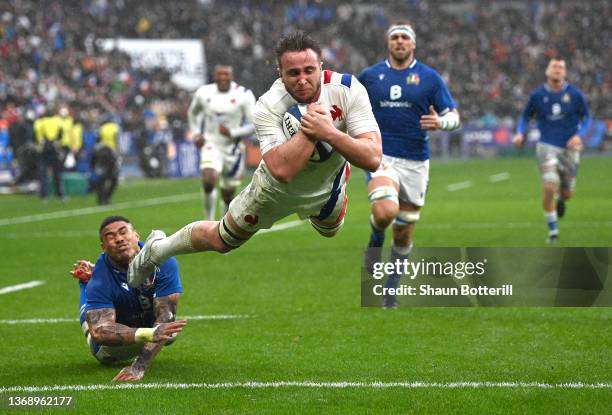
(411, 176)
(227, 161)
(260, 204)
(558, 164)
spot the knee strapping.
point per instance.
(405, 217)
(230, 237)
(383, 193)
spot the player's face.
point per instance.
(301, 74)
(223, 77)
(120, 242)
(556, 70)
(401, 47)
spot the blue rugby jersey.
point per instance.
(559, 114)
(108, 288)
(399, 98)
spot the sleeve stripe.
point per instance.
(346, 80)
(327, 75)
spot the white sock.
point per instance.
(210, 204)
(176, 244)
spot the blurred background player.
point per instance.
(50, 138)
(122, 322)
(563, 119)
(226, 111)
(106, 166)
(289, 180)
(408, 99)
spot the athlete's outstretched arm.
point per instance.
(106, 331)
(165, 312)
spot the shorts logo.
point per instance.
(251, 220)
(336, 112)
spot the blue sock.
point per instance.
(551, 221)
(377, 237)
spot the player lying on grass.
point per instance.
(121, 322)
(304, 173)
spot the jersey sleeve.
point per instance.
(526, 115)
(268, 127)
(584, 114)
(99, 294)
(248, 106)
(169, 281)
(442, 99)
(196, 112)
(359, 116)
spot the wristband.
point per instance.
(449, 121)
(144, 334)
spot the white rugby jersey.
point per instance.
(234, 108)
(351, 111)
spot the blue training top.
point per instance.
(399, 98)
(108, 288)
(559, 114)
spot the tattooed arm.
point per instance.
(165, 312)
(104, 330)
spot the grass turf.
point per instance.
(302, 293)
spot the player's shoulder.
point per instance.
(332, 79)
(424, 70)
(171, 264)
(206, 89)
(574, 89)
(275, 100)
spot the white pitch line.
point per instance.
(19, 287)
(500, 177)
(459, 186)
(75, 320)
(510, 225)
(97, 209)
(281, 226)
(309, 384)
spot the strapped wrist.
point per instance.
(144, 334)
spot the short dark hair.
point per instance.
(110, 219)
(296, 42)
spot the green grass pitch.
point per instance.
(301, 293)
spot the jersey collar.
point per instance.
(412, 64)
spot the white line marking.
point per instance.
(20, 287)
(97, 209)
(500, 177)
(310, 384)
(459, 186)
(76, 320)
(511, 225)
(282, 226)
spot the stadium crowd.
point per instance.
(491, 57)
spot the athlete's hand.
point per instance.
(317, 123)
(165, 331)
(575, 143)
(430, 121)
(518, 140)
(224, 130)
(82, 270)
(198, 140)
(129, 374)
